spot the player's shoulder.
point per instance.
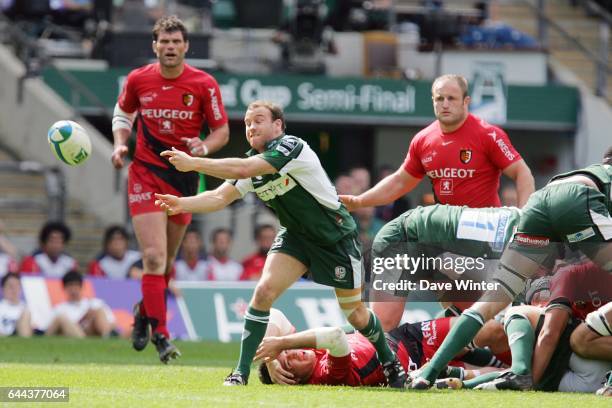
(288, 145)
(432, 129)
(199, 74)
(143, 72)
(484, 128)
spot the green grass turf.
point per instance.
(108, 373)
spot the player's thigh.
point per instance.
(339, 265)
(279, 273)
(150, 230)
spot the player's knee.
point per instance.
(358, 317)
(264, 296)
(153, 260)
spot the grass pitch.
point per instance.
(109, 373)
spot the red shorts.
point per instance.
(142, 186)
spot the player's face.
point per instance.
(450, 107)
(298, 362)
(12, 290)
(260, 128)
(170, 49)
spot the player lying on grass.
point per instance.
(438, 231)
(540, 337)
(329, 356)
(574, 208)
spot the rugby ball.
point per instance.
(69, 142)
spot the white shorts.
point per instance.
(584, 375)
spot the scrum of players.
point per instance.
(548, 327)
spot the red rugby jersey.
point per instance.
(583, 287)
(169, 109)
(465, 165)
(359, 367)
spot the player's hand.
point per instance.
(181, 160)
(118, 156)
(350, 202)
(278, 374)
(195, 146)
(169, 203)
(269, 349)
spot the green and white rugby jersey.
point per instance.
(300, 193)
(602, 175)
(462, 230)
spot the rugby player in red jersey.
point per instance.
(463, 156)
(170, 101)
(329, 356)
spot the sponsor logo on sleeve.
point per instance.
(581, 235)
(214, 103)
(531, 240)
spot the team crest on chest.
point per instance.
(188, 99)
(465, 155)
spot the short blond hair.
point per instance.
(275, 110)
(460, 80)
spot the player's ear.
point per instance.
(153, 47)
(186, 46)
(467, 100)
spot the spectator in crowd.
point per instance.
(509, 196)
(368, 225)
(15, 318)
(50, 260)
(191, 263)
(222, 268)
(361, 178)
(254, 263)
(345, 185)
(116, 260)
(392, 210)
(79, 316)
(8, 254)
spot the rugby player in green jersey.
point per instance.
(317, 235)
(574, 208)
(469, 241)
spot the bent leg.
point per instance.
(279, 273)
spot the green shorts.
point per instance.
(339, 265)
(570, 213)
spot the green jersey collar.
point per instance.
(271, 144)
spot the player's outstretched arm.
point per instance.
(230, 168)
(208, 201)
(386, 191)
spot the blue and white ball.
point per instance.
(69, 142)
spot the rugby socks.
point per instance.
(462, 332)
(481, 379)
(255, 324)
(481, 357)
(374, 332)
(154, 300)
(521, 339)
(141, 308)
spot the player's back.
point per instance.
(462, 230)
